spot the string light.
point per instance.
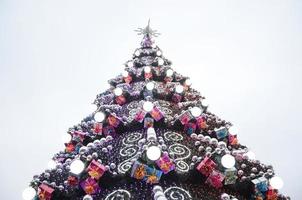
(99, 116)
(147, 69)
(188, 82)
(29, 193)
(77, 166)
(233, 130)
(66, 138)
(51, 164)
(169, 72)
(125, 74)
(130, 64)
(150, 86)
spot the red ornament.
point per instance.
(72, 181)
(45, 192)
(70, 147)
(97, 128)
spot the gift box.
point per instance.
(72, 180)
(190, 128)
(156, 114)
(206, 166)
(201, 122)
(90, 186)
(271, 194)
(78, 136)
(230, 176)
(70, 147)
(121, 100)
(176, 98)
(140, 115)
(113, 121)
(148, 75)
(215, 179)
(45, 192)
(109, 130)
(97, 128)
(96, 169)
(148, 122)
(185, 117)
(144, 172)
(168, 79)
(221, 132)
(128, 79)
(233, 140)
(260, 184)
(165, 164)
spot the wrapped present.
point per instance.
(90, 186)
(153, 175)
(148, 122)
(271, 194)
(176, 98)
(69, 147)
(185, 117)
(97, 128)
(148, 75)
(109, 130)
(143, 172)
(230, 176)
(128, 79)
(206, 166)
(261, 184)
(121, 100)
(233, 139)
(156, 114)
(138, 170)
(113, 121)
(72, 181)
(201, 122)
(96, 169)
(215, 179)
(140, 115)
(168, 79)
(221, 132)
(45, 192)
(165, 164)
(190, 128)
(78, 136)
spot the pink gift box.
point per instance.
(206, 166)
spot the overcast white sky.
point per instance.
(56, 55)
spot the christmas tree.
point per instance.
(153, 137)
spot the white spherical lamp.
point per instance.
(51, 164)
(77, 166)
(150, 86)
(99, 116)
(179, 89)
(148, 106)
(228, 161)
(276, 182)
(118, 91)
(169, 72)
(196, 111)
(29, 193)
(147, 69)
(153, 153)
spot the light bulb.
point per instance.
(151, 134)
(251, 155)
(150, 86)
(160, 61)
(276, 182)
(77, 166)
(125, 74)
(228, 161)
(66, 138)
(51, 164)
(169, 72)
(118, 91)
(148, 106)
(137, 52)
(196, 111)
(153, 153)
(29, 193)
(158, 53)
(147, 69)
(179, 89)
(233, 130)
(99, 116)
(204, 103)
(188, 82)
(130, 64)
(93, 107)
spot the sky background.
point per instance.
(56, 55)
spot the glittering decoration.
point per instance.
(151, 136)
